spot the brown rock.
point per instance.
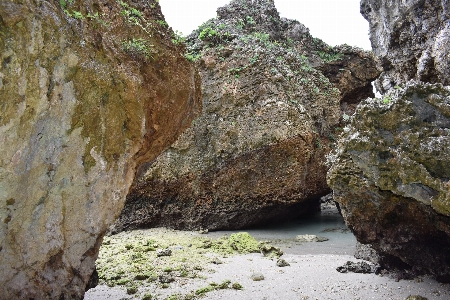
(87, 95)
(257, 151)
(352, 73)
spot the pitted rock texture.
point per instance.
(411, 38)
(257, 151)
(353, 75)
(390, 174)
(84, 99)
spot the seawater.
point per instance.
(328, 223)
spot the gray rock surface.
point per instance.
(269, 250)
(416, 297)
(411, 39)
(163, 252)
(390, 172)
(366, 252)
(282, 263)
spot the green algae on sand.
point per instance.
(130, 259)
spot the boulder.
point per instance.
(355, 267)
(366, 252)
(390, 171)
(84, 101)
(256, 154)
(390, 174)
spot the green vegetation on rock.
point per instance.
(138, 47)
(215, 286)
(243, 243)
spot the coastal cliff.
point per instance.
(84, 101)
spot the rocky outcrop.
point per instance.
(411, 40)
(390, 175)
(84, 100)
(390, 170)
(270, 115)
(353, 75)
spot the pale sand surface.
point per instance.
(308, 277)
(311, 275)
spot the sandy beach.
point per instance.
(311, 275)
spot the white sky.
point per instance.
(334, 21)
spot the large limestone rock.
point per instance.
(89, 90)
(390, 171)
(257, 151)
(411, 40)
(390, 175)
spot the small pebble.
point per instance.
(257, 277)
(165, 279)
(163, 252)
(282, 263)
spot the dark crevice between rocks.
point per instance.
(93, 252)
(396, 268)
(276, 215)
(93, 280)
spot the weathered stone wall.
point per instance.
(391, 173)
(270, 115)
(411, 40)
(88, 91)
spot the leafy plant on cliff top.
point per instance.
(192, 56)
(134, 16)
(207, 32)
(329, 57)
(138, 48)
(178, 38)
(345, 117)
(250, 20)
(63, 3)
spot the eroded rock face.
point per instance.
(391, 173)
(84, 99)
(257, 151)
(353, 75)
(411, 40)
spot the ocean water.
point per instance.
(328, 223)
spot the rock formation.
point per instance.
(411, 40)
(84, 100)
(270, 116)
(390, 173)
